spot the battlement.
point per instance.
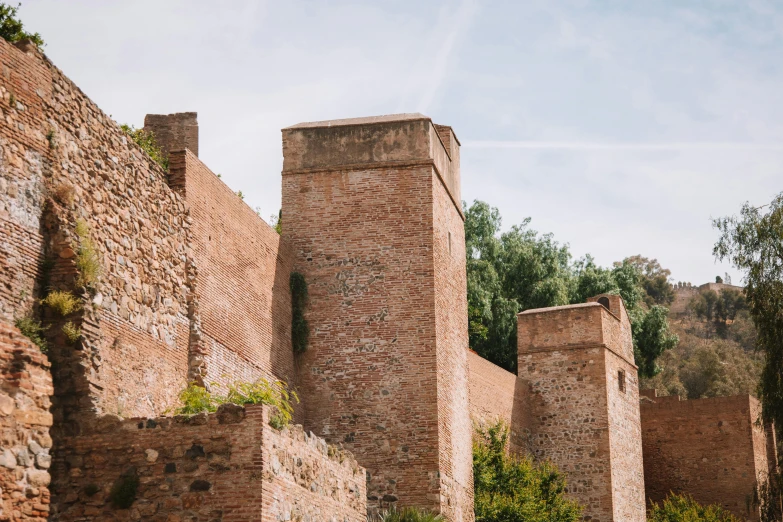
(602, 321)
(174, 132)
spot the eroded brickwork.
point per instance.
(231, 466)
(366, 212)
(242, 286)
(581, 419)
(25, 388)
(713, 449)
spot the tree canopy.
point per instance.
(12, 29)
(753, 242)
(522, 269)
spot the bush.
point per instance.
(88, 261)
(123, 492)
(33, 330)
(409, 514)
(300, 329)
(678, 508)
(72, 333)
(146, 140)
(511, 488)
(12, 29)
(195, 399)
(64, 303)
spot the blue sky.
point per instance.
(621, 127)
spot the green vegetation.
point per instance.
(769, 498)
(33, 330)
(146, 140)
(240, 194)
(752, 242)
(277, 221)
(71, 332)
(123, 491)
(520, 269)
(300, 329)
(12, 29)
(64, 303)
(514, 489)
(88, 261)
(409, 514)
(195, 399)
(679, 508)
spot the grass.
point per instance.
(64, 303)
(88, 262)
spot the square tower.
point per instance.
(371, 207)
(578, 361)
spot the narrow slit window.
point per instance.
(449, 243)
(621, 380)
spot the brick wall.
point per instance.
(581, 421)
(499, 395)
(174, 132)
(242, 286)
(25, 388)
(231, 466)
(365, 214)
(713, 449)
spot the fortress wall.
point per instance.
(25, 388)
(242, 285)
(451, 330)
(712, 449)
(230, 466)
(499, 395)
(136, 318)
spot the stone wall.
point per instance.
(61, 152)
(25, 388)
(581, 420)
(242, 285)
(231, 466)
(499, 395)
(369, 215)
(713, 449)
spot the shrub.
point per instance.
(123, 492)
(146, 140)
(72, 333)
(195, 399)
(677, 508)
(33, 330)
(12, 29)
(88, 262)
(409, 514)
(300, 329)
(509, 488)
(64, 193)
(64, 303)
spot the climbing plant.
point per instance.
(300, 330)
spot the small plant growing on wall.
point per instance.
(300, 329)
(71, 332)
(32, 329)
(146, 140)
(87, 259)
(63, 303)
(123, 491)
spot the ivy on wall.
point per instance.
(300, 330)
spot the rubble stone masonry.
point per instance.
(230, 466)
(25, 444)
(377, 231)
(713, 449)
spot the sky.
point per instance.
(621, 127)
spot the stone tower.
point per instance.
(371, 207)
(578, 361)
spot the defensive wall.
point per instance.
(715, 449)
(194, 286)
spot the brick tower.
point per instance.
(578, 361)
(371, 207)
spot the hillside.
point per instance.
(716, 355)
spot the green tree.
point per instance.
(753, 242)
(12, 29)
(509, 488)
(682, 508)
(521, 270)
(655, 280)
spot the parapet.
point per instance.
(374, 143)
(174, 131)
(600, 322)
